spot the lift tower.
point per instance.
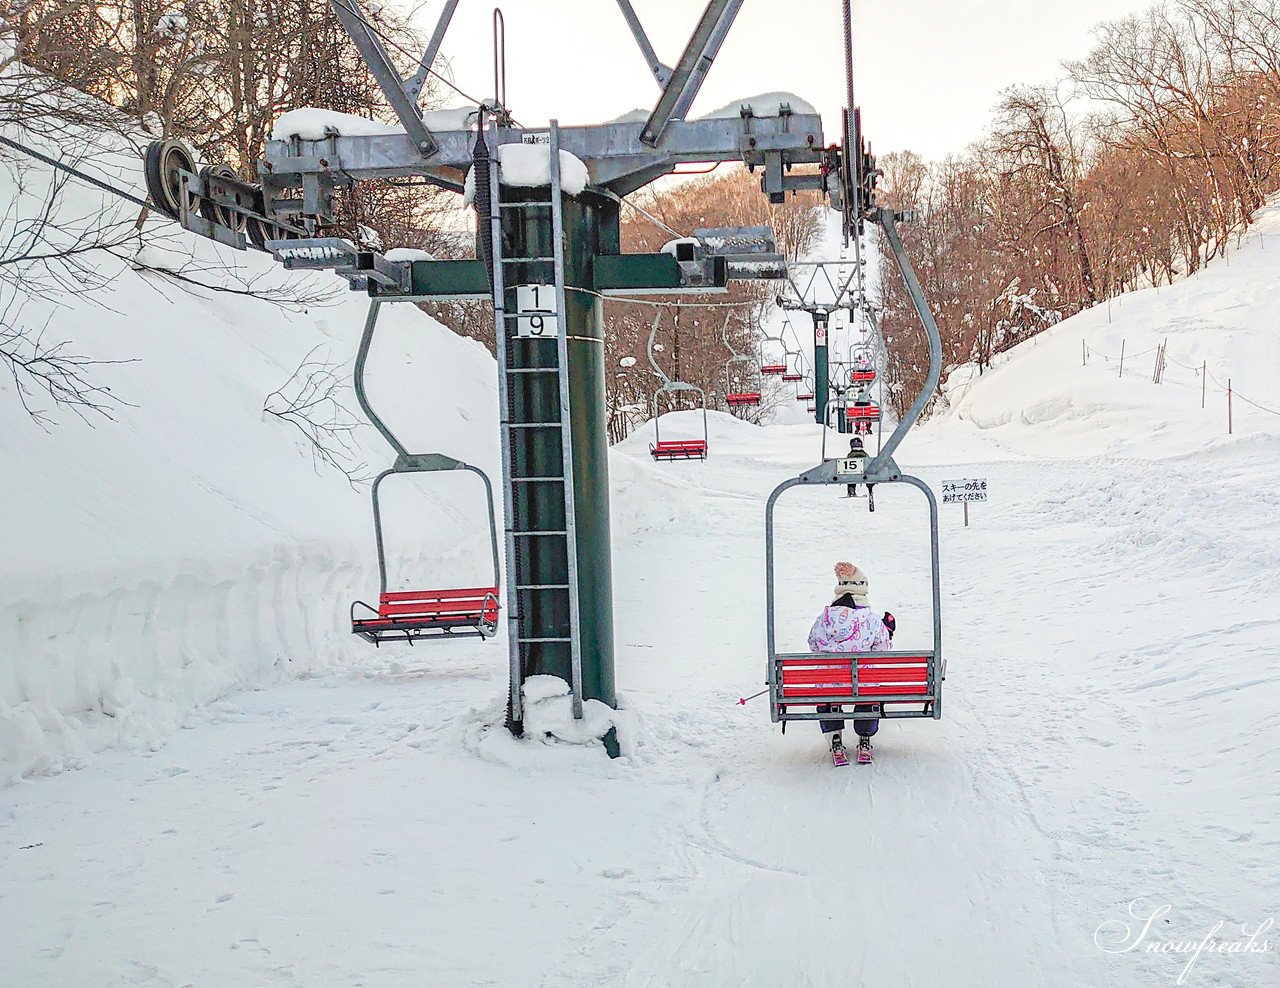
(548, 254)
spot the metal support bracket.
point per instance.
(661, 72)
(389, 81)
(686, 78)
(413, 85)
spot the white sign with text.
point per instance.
(536, 311)
(964, 491)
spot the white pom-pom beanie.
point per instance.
(851, 580)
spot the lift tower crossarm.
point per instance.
(389, 81)
(686, 78)
(613, 153)
(413, 85)
(661, 72)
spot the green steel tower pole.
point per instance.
(544, 614)
(586, 223)
(821, 384)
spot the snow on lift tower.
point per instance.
(674, 449)
(740, 391)
(548, 252)
(889, 684)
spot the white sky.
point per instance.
(927, 73)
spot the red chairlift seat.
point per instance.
(804, 397)
(899, 684)
(411, 615)
(865, 413)
(773, 369)
(792, 378)
(862, 375)
(813, 408)
(688, 449)
(739, 400)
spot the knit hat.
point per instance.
(851, 580)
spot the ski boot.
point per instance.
(838, 754)
(864, 751)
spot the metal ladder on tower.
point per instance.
(522, 360)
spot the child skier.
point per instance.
(847, 625)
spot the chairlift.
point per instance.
(872, 685)
(686, 449)
(773, 369)
(794, 374)
(863, 414)
(898, 683)
(416, 615)
(735, 395)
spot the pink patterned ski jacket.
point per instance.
(848, 629)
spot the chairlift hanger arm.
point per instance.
(661, 72)
(686, 78)
(388, 79)
(885, 218)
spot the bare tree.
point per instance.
(314, 402)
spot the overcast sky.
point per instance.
(926, 72)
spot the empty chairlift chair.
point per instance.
(741, 390)
(437, 613)
(413, 615)
(674, 449)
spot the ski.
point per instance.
(864, 752)
(839, 756)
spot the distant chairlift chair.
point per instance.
(736, 394)
(676, 449)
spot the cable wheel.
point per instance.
(215, 212)
(258, 231)
(165, 161)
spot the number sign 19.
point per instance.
(536, 311)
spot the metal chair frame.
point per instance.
(880, 469)
(670, 387)
(407, 462)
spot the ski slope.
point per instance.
(213, 783)
(1111, 733)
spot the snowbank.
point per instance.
(196, 544)
(1066, 393)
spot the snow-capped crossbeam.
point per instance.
(310, 123)
(529, 166)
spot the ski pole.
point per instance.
(743, 699)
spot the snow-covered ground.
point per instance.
(258, 799)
